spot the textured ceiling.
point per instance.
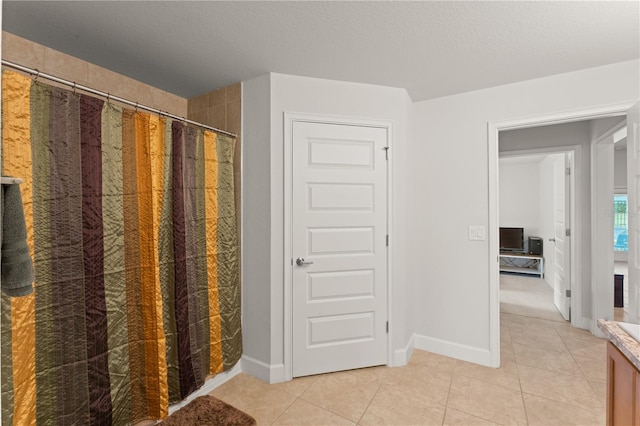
(430, 48)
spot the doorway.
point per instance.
(620, 222)
(621, 227)
(604, 220)
(582, 310)
(537, 197)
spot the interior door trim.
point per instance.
(289, 119)
(493, 129)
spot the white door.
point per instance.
(562, 243)
(633, 188)
(339, 234)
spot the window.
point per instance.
(620, 224)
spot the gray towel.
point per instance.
(17, 266)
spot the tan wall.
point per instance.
(58, 64)
(219, 108)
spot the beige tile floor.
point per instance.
(551, 374)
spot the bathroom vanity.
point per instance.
(623, 372)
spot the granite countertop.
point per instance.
(622, 340)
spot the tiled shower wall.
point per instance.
(58, 64)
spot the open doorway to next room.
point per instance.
(534, 252)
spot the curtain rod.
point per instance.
(8, 180)
(110, 97)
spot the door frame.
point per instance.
(602, 235)
(289, 119)
(493, 129)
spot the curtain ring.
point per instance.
(37, 75)
(108, 98)
(74, 87)
(137, 106)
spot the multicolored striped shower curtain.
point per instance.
(131, 224)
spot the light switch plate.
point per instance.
(476, 233)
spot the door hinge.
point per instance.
(387, 240)
(568, 293)
(387, 327)
(567, 171)
(567, 232)
(386, 152)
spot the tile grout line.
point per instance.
(524, 405)
(287, 407)
(522, 392)
(369, 404)
(446, 402)
(328, 409)
(581, 375)
(586, 379)
(477, 380)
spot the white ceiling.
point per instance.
(431, 48)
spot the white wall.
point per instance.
(603, 125)
(598, 129)
(620, 169)
(256, 219)
(450, 139)
(265, 100)
(520, 196)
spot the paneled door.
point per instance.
(339, 247)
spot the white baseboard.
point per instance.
(263, 371)
(546, 280)
(401, 356)
(207, 387)
(597, 332)
(454, 350)
(584, 323)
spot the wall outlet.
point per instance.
(476, 233)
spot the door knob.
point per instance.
(300, 261)
(553, 240)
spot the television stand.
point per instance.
(521, 263)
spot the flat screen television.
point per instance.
(512, 239)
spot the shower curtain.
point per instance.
(131, 226)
